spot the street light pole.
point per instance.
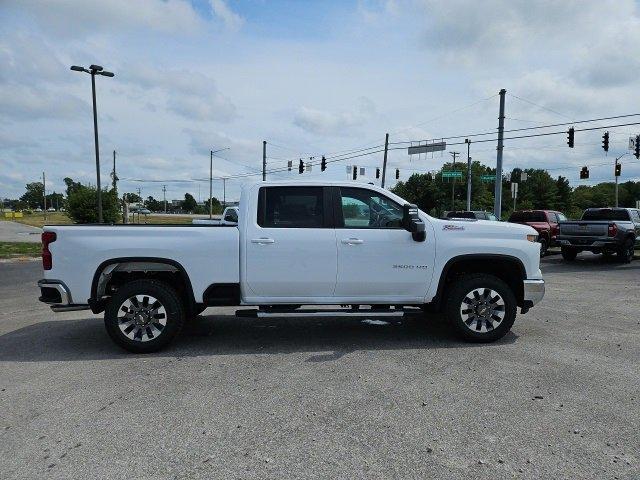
(94, 70)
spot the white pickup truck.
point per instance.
(304, 244)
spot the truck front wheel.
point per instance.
(144, 316)
(481, 308)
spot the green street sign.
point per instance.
(451, 174)
(487, 178)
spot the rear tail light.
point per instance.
(613, 230)
(47, 260)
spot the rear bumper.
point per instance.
(57, 295)
(588, 242)
(533, 292)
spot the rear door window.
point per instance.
(605, 214)
(291, 207)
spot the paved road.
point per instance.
(237, 398)
(17, 232)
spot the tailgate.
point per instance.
(586, 229)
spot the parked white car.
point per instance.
(301, 243)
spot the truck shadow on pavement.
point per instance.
(325, 339)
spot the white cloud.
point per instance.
(232, 20)
(321, 122)
(189, 94)
(73, 18)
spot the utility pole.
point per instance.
(44, 195)
(497, 206)
(115, 178)
(264, 160)
(211, 185)
(468, 142)
(453, 185)
(384, 162)
(224, 192)
(164, 197)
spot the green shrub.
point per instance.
(82, 205)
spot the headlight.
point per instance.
(532, 238)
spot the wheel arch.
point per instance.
(506, 267)
(139, 267)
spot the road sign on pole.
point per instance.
(430, 147)
(451, 174)
(487, 178)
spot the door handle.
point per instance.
(352, 241)
(263, 240)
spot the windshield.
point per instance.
(461, 215)
(527, 217)
(605, 214)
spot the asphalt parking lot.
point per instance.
(559, 397)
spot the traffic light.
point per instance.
(301, 167)
(323, 164)
(355, 172)
(636, 151)
(289, 165)
(397, 173)
(377, 173)
(584, 173)
(605, 141)
(618, 169)
(570, 135)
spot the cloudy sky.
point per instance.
(310, 78)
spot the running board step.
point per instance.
(255, 313)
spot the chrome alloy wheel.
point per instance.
(482, 310)
(142, 318)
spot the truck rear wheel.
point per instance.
(626, 252)
(569, 254)
(481, 308)
(544, 246)
(144, 316)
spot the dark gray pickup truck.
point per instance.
(602, 230)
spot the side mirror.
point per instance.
(412, 222)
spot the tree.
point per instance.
(189, 203)
(132, 198)
(71, 185)
(217, 207)
(153, 204)
(33, 197)
(55, 200)
(82, 205)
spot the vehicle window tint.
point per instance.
(291, 207)
(462, 215)
(492, 217)
(527, 217)
(635, 215)
(605, 214)
(363, 208)
(561, 217)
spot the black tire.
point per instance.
(157, 335)
(459, 295)
(625, 253)
(544, 246)
(569, 254)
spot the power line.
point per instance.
(538, 127)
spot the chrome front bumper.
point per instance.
(533, 292)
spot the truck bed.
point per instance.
(210, 253)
